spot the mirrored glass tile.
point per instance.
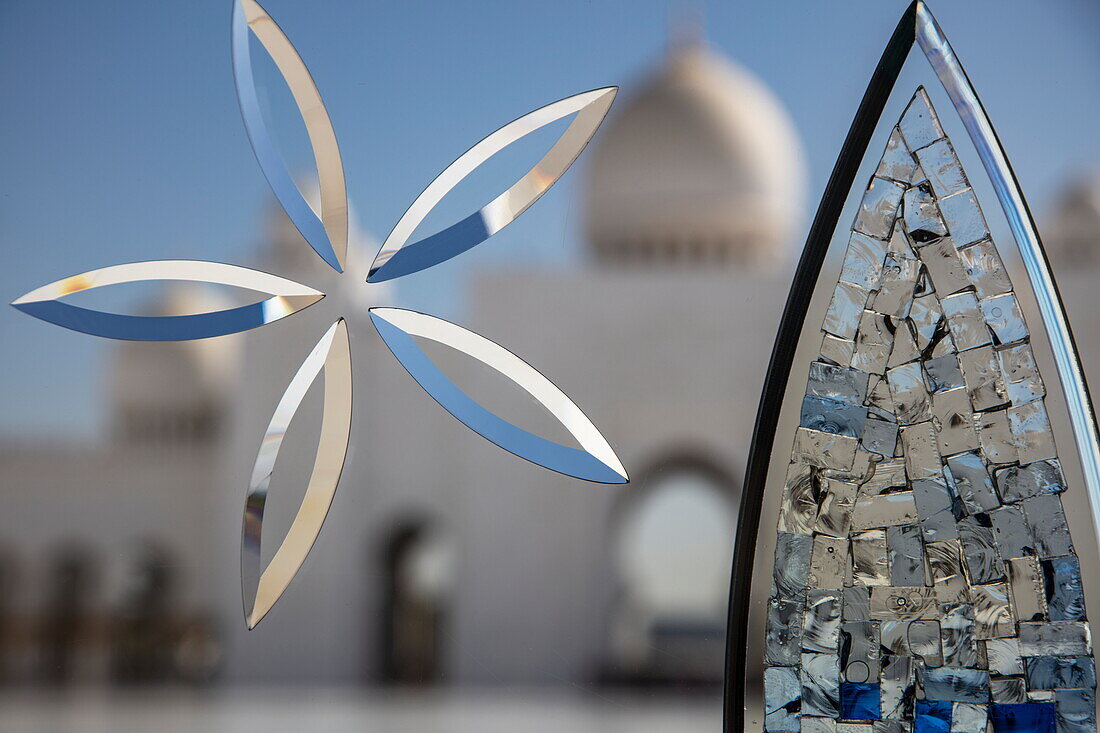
(968, 717)
(929, 324)
(1002, 313)
(966, 321)
(909, 392)
(873, 341)
(1054, 638)
(946, 568)
(888, 475)
(922, 217)
(842, 317)
(905, 554)
(837, 383)
(982, 561)
(942, 167)
(1003, 656)
(945, 267)
(813, 724)
(983, 378)
(895, 603)
(957, 684)
(904, 348)
(922, 456)
(896, 163)
(879, 208)
(1016, 483)
(833, 417)
(894, 638)
(863, 261)
(993, 617)
(837, 501)
(1040, 695)
(943, 373)
(919, 125)
(995, 436)
(1012, 532)
(792, 565)
(798, 510)
(1008, 690)
(1065, 592)
(986, 270)
(897, 687)
(885, 510)
(828, 562)
(821, 621)
(824, 450)
(821, 684)
(891, 726)
(859, 656)
(953, 418)
(837, 350)
(1031, 426)
(924, 642)
(1076, 711)
(1028, 717)
(1025, 576)
(783, 639)
(880, 436)
(1048, 525)
(856, 603)
(936, 507)
(857, 473)
(1061, 673)
(1021, 374)
(972, 483)
(957, 629)
(870, 563)
(964, 217)
(782, 700)
(900, 273)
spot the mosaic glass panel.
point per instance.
(925, 576)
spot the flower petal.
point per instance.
(263, 588)
(328, 233)
(287, 297)
(397, 258)
(595, 461)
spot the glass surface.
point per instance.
(453, 587)
(950, 555)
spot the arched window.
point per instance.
(673, 551)
(419, 566)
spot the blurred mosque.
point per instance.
(444, 560)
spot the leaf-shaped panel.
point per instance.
(917, 564)
(594, 460)
(262, 588)
(327, 233)
(399, 257)
(287, 297)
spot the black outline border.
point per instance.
(782, 359)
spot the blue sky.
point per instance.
(121, 138)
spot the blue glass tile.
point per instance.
(1027, 717)
(859, 701)
(933, 716)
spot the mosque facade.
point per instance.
(444, 559)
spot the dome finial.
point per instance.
(685, 27)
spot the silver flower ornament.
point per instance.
(326, 231)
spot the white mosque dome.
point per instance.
(701, 165)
